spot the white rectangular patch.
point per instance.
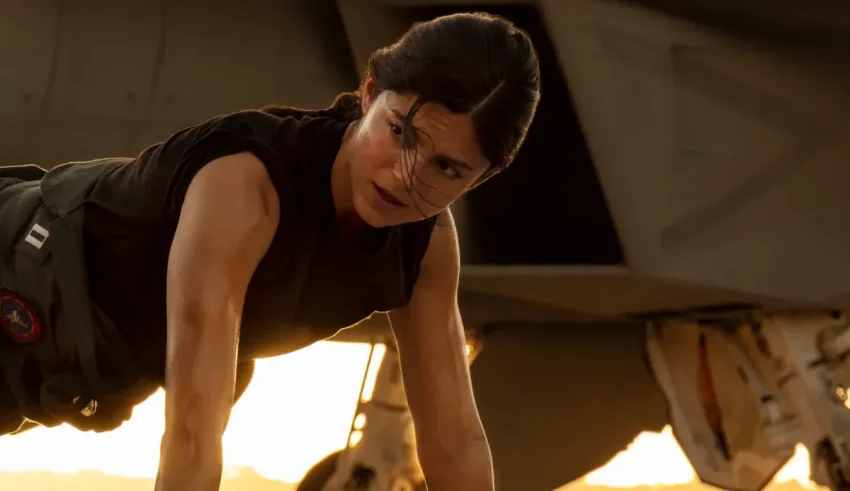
(37, 236)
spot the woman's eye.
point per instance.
(396, 130)
(447, 169)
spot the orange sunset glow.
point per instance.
(296, 411)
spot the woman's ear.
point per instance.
(367, 94)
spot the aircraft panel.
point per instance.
(817, 25)
(17, 141)
(559, 401)
(247, 54)
(57, 143)
(723, 156)
(93, 79)
(28, 31)
(105, 61)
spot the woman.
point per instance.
(258, 233)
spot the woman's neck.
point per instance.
(350, 225)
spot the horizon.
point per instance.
(302, 405)
(247, 479)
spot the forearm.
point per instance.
(186, 465)
(465, 465)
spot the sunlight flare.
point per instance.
(655, 459)
(297, 410)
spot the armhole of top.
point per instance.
(228, 136)
(419, 240)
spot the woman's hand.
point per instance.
(451, 443)
(227, 221)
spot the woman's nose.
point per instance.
(399, 171)
(404, 165)
(402, 168)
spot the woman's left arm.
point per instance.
(451, 442)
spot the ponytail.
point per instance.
(346, 106)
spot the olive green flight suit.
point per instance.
(62, 361)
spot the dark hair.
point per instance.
(474, 63)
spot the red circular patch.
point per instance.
(18, 318)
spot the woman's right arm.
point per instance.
(227, 221)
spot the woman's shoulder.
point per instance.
(278, 130)
(245, 123)
(290, 145)
(279, 126)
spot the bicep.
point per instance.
(227, 221)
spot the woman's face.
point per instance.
(393, 184)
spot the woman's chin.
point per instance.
(371, 216)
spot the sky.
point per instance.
(297, 409)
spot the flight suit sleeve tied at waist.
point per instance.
(99, 393)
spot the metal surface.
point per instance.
(721, 150)
(774, 381)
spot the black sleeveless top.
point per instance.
(309, 285)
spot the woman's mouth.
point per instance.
(387, 197)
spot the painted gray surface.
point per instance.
(92, 78)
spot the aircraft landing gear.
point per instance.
(826, 463)
(381, 451)
(745, 390)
